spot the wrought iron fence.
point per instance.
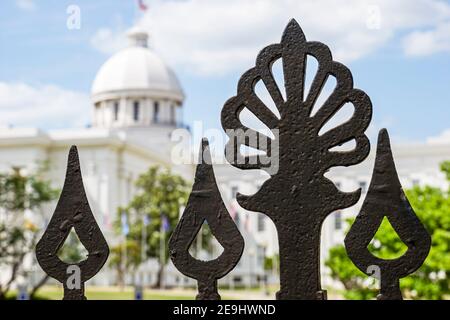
(297, 197)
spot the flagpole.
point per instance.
(141, 7)
(124, 266)
(161, 250)
(125, 230)
(144, 247)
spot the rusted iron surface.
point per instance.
(385, 198)
(72, 211)
(205, 205)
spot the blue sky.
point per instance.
(398, 51)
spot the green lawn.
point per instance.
(54, 292)
(93, 293)
(114, 293)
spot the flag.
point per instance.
(165, 223)
(124, 221)
(146, 220)
(142, 5)
(233, 211)
(247, 223)
(107, 221)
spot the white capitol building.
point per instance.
(138, 102)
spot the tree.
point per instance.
(271, 263)
(122, 264)
(432, 280)
(297, 197)
(18, 234)
(160, 196)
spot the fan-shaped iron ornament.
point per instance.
(72, 211)
(298, 197)
(385, 198)
(205, 204)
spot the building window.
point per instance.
(261, 222)
(363, 186)
(261, 255)
(337, 221)
(156, 112)
(136, 110)
(234, 191)
(116, 111)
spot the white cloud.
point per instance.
(108, 41)
(216, 37)
(26, 4)
(422, 43)
(44, 106)
(443, 138)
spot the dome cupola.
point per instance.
(136, 88)
(138, 37)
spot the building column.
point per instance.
(122, 111)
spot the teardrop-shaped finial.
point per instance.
(385, 198)
(205, 204)
(72, 211)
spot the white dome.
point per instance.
(138, 71)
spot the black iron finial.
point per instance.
(298, 197)
(72, 211)
(205, 205)
(385, 198)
